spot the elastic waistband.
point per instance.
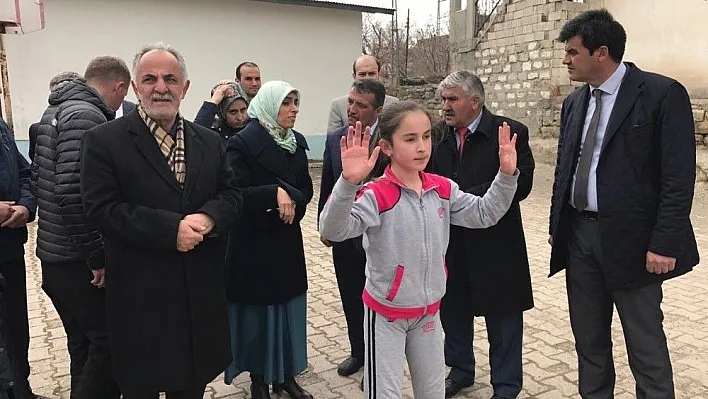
(394, 313)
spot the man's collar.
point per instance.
(475, 123)
(374, 126)
(483, 124)
(612, 84)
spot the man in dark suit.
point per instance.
(33, 133)
(125, 108)
(364, 67)
(366, 99)
(621, 203)
(161, 192)
(488, 268)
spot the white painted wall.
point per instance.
(312, 48)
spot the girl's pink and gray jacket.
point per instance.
(406, 235)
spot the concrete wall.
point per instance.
(292, 43)
(668, 37)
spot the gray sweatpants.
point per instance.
(388, 344)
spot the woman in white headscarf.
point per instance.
(267, 281)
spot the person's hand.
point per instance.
(658, 264)
(286, 206)
(325, 241)
(6, 210)
(507, 150)
(356, 161)
(220, 92)
(203, 220)
(189, 235)
(99, 278)
(18, 218)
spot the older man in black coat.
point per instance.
(489, 268)
(621, 203)
(162, 194)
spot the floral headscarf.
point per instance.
(225, 104)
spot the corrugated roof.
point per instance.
(340, 5)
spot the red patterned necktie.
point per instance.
(462, 131)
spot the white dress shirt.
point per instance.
(610, 88)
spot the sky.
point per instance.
(422, 11)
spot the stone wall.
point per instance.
(423, 94)
(700, 116)
(519, 62)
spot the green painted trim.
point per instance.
(23, 146)
(316, 144)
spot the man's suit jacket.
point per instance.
(33, 133)
(332, 163)
(338, 115)
(128, 107)
(352, 249)
(645, 179)
(134, 200)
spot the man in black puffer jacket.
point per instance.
(70, 249)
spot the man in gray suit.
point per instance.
(364, 67)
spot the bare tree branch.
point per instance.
(428, 53)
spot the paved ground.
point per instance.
(549, 359)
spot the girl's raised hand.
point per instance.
(356, 161)
(507, 150)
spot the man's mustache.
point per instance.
(162, 97)
(449, 113)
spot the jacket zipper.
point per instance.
(427, 256)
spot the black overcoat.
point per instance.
(493, 261)
(166, 310)
(267, 256)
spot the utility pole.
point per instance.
(408, 31)
(437, 28)
(394, 44)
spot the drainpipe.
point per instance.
(5, 85)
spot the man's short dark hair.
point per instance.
(376, 59)
(243, 64)
(597, 28)
(371, 86)
(107, 69)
